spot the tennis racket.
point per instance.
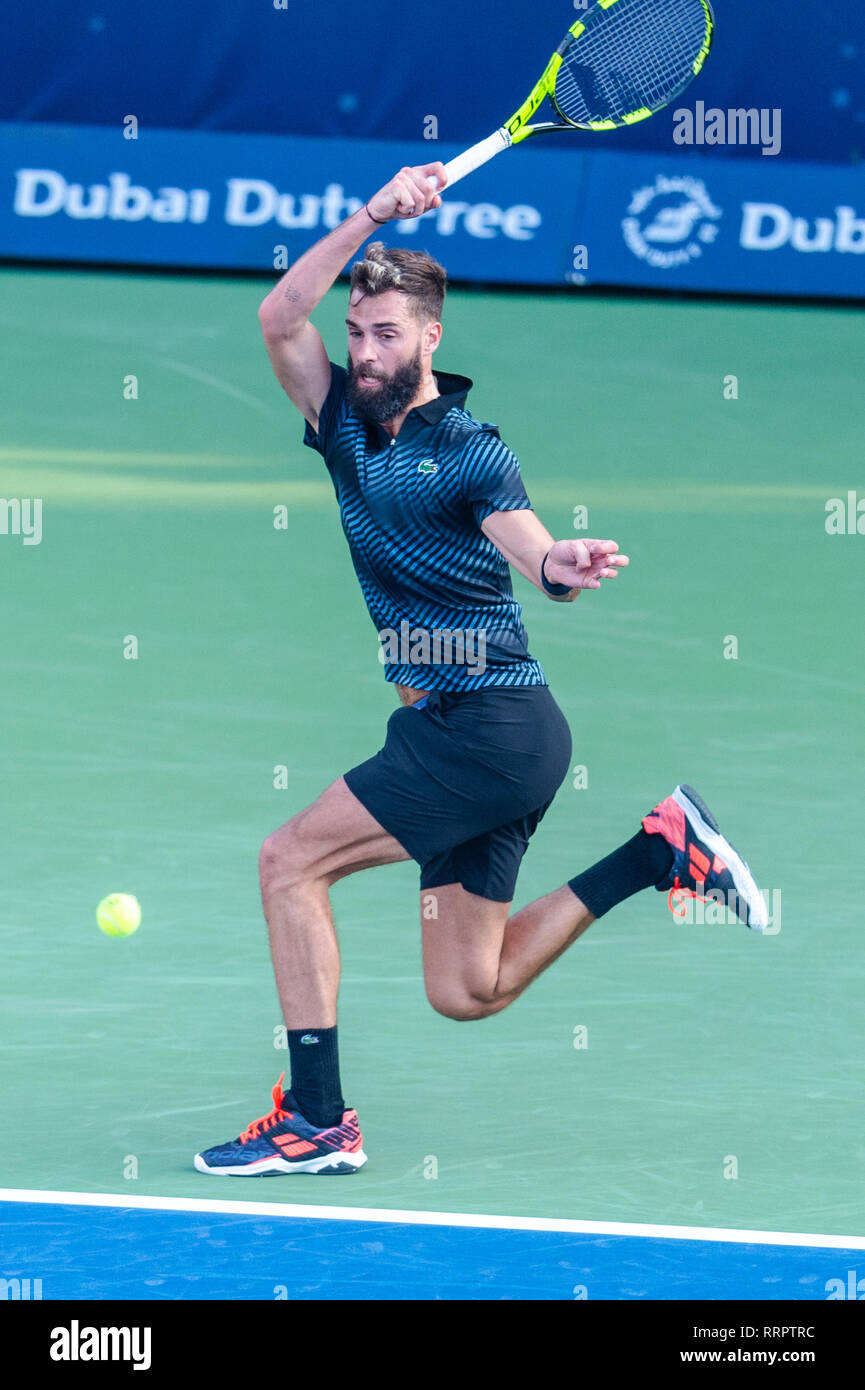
(622, 62)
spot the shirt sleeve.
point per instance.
(491, 480)
(331, 415)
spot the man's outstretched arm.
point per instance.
(525, 543)
(295, 348)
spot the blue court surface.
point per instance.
(95, 1246)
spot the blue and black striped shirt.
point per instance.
(437, 589)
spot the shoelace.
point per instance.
(275, 1117)
(677, 892)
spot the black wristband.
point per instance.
(374, 219)
(555, 590)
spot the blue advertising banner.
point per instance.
(277, 67)
(574, 215)
(700, 224)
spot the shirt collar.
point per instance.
(453, 390)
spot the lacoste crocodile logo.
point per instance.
(427, 466)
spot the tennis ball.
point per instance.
(119, 914)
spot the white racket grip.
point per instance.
(473, 158)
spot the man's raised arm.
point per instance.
(295, 348)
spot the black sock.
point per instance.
(638, 864)
(315, 1083)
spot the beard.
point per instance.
(391, 398)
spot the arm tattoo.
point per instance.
(291, 293)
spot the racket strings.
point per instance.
(637, 54)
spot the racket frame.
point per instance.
(517, 129)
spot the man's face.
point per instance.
(385, 355)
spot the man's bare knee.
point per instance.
(459, 1005)
(284, 861)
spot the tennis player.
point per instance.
(435, 511)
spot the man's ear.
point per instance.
(432, 336)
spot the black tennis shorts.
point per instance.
(463, 780)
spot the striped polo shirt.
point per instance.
(437, 589)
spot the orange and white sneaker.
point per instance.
(284, 1142)
(705, 864)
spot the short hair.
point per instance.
(413, 273)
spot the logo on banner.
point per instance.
(670, 221)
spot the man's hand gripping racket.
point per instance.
(410, 193)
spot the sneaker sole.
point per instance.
(338, 1163)
(709, 831)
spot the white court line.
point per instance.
(226, 388)
(430, 1218)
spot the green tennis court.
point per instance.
(721, 1076)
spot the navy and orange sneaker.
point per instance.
(704, 861)
(284, 1142)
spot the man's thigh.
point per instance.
(333, 837)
